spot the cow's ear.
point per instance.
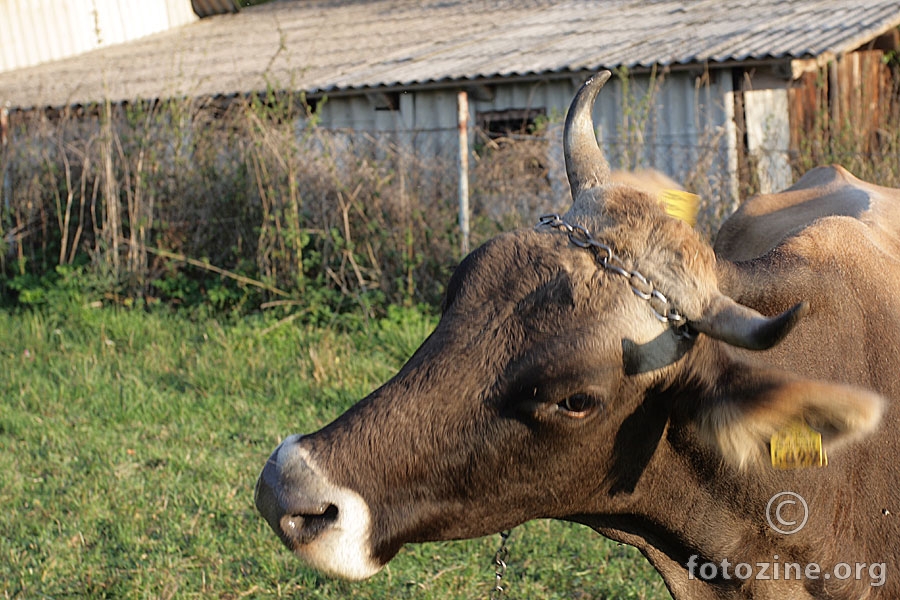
(748, 405)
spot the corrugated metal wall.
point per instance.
(684, 123)
(36, 31)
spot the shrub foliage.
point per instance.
(249, 203)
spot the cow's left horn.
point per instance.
(740, 326)
(586, 166)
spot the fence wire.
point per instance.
(358, 217)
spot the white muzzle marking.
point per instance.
(343, 549)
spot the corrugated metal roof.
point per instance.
(339, 45)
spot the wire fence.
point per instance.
(139, 198)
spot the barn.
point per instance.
(744, 79)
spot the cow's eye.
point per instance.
(577, 405)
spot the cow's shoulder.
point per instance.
(828, 206)
(833, 241)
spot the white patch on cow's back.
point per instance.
(344, 549)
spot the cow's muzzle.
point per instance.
(326, 525)
(289, 498)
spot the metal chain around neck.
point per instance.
(500, 558)
(642, 288)
(659, 304)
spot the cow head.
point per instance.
(551, 387)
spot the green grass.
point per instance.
(130, 443)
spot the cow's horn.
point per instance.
(740, 326)
(585, 164)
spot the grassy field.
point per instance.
(130, 442)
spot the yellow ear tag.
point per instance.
(797, 446)
(681, 205)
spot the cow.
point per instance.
(606, 367)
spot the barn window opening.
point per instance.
(511, 122)
(385, 101)
(312, 105)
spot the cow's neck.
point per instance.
(674, 506)
(670, 516)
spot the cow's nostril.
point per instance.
(303, 528)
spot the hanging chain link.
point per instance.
(500, 558)
(640, 285)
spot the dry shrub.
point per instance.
(154, 198)
(511, 181)
(314, 216)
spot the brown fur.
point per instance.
(665, 452)
(765, 221)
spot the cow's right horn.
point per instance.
(740, 326)
(586, 166)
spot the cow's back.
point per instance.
(833, 241)
(766, 221)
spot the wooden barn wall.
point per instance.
(850, 94)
